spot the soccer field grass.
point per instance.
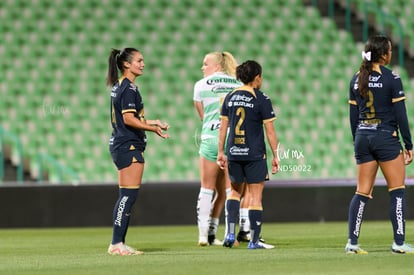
(301, 248)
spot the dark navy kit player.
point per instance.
(378, 117)
(244, 114)
(128, 141)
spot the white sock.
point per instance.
(244, 219)
(228, 191)
(204, 204)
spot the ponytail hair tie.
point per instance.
(366, 55)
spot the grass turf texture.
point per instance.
(301, 248)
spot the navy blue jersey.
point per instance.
(384, 106)
(246, 110)
(125, 97)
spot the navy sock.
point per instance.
(355, 215)
(256, 218)
(233, 208)
(122, 212)
(397, 214)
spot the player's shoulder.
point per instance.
(201, 83)
(126, 85)
(389, 73)
(354, 77)
(261, 95)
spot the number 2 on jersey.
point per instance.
(239, 134)
(242, 115)
(370, 105)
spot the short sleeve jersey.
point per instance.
(210, 91)
(125, 97)
(246, 112)
(376, 111)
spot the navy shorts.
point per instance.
(123, 157)
(379, 145)
(249, 171)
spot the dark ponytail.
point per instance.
(375, 48)
(116, 62)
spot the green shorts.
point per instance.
(209, 149)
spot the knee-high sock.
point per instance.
(204, 205)
(355, 215)
(256, 219)
(244, 219)
(214, 223)
(397, 214)
(122, 213)
(233, 208)
(228, 191)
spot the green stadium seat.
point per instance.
(64, 112)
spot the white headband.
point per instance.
(366, 55)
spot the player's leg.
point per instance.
(232, 209)
(244, 222)
(222, 185)
(256, 174)
(394, 173)
(129, 183)
(255, 210)
(208, 173)
(366, 173)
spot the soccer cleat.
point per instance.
(259, 245)
(266, 245)
(243, 236)
(405, 248)
(354, 249)
(229, 240)
(133, 250)
(122, 250)
(202, 241)
(213, 241)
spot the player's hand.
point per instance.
(159, 131)
(275, 165)
(408, 157)
(164, 126)
(221, 161)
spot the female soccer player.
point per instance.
(219, 79)
(377, 113)
(128, 141)
(244, 113)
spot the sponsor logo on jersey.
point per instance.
(213, 81)
(375, 85)
(222, 89)
(237, 151)
(374, 78)
(132, 87)
(241, 103)
(237, 97)
(396, 76)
